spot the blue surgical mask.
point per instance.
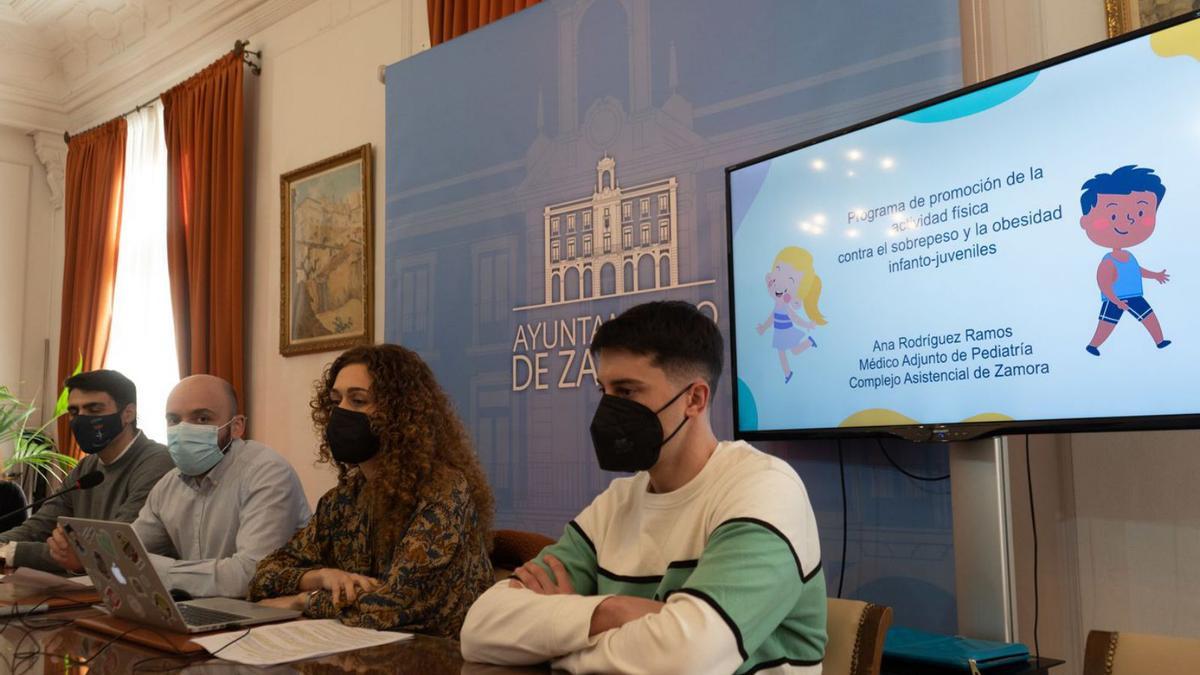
(195, 448)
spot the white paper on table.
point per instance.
(27, 576)
(284, 642)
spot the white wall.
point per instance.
(319, 94)
(14, 226)
(1137, 513)
(26, 286)
(1118, 514)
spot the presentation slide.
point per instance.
(1024, 252)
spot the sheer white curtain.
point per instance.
(142, 342)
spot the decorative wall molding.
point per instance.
(69, 64)
(52, 152)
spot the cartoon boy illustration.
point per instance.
(1119, 211)
(792, 282)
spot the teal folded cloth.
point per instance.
(950, 651)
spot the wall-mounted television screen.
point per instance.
(1021, 255)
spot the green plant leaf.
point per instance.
(38, 453)
(61, 407)
(32, 448)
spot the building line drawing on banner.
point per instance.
(472, 282)
(602, 297)
(619, 241)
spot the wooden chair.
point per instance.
(513, 548)
(1112, 653)
(856, 631)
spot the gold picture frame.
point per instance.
(327, 243)
(1122, 16)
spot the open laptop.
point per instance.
(117, 562)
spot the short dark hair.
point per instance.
(116, 385)
(1124, 181)
(232, 394)
(676, 336)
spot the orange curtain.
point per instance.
(94, 184)
(450, 18)
(206, 162)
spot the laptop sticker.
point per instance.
(112, 598)
(105, 543)
(128, 550)
(101, 565)
(163, 606)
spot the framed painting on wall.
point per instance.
(1122, 16)
(327, 244)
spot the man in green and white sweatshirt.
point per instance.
(704, 561)
(103, 409)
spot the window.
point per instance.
(495, 430)
(587, 245)
(608, 279)
(627, 211)
(554, 251)
(571, 223)
(571, 247)
(587, 220)
(664, 203)
(646, 234)
(627, 236)
(142, 337)
(606, 218)
(414, 304)
(492, 304)
(645, 206)
(554, 226)
(664, 230)
(607, 243)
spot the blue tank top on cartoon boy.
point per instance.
(1129, 277)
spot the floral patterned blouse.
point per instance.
(437, 568)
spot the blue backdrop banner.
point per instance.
(552, 169)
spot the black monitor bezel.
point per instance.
(949, 431)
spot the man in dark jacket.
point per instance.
(103, 409)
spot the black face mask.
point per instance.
(349, 436)
(627, 435)
(93, 433)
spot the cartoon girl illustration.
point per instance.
(792, 283)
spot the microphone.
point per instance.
(86, 482)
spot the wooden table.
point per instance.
(48, 643)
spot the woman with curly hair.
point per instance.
(402, 541)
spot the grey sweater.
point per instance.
(127, 482)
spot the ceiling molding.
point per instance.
(69, 64)
(27, 117)
(182, 49)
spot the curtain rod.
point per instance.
(239, 47)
